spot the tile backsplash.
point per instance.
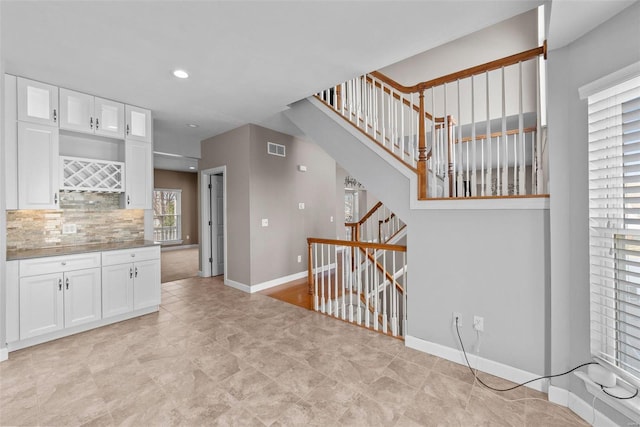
(97, 217)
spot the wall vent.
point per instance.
(276, 149)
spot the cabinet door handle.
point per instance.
(55, 116)
(91, 122)
(127, 129)
(136, 271)
(67, 283)
(97, 123)
(63, 263)
(55, 198)
(131, 273)
(59, 284)
(128, 200)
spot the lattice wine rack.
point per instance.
(80, 174)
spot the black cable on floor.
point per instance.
(526, 382)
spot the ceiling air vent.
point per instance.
(276, 149)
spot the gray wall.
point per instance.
(491, 263)
(3, 212)
(265, 186)
(276, 189)
(232, 149)
(610, 47)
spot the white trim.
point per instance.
(498, 369)
(277, 282)
(205, 237)
(177, 247)
(583, 409)
(610, 80)
(237, 285)
(17, 345)
(629, 408)
(496, 203)
(274, 282)
(4, 354)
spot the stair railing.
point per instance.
(372, 292)
(433, 127)
(378, 225)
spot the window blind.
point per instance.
(614, 222)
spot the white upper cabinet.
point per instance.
(109, 118)
(139, 175)
(37, 102)
(138, 124)
(38, 166)
(76, 111)
(85, 113)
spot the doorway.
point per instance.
(213, 214)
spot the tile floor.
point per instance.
(217, 356)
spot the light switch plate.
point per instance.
(69, 229)
(300, 206)
(265, 222)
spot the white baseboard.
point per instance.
(498, 369)
(237, 285)
(4, 354)
(581, 408)
(177, 247)
(275, 282)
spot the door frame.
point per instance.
(206, 248)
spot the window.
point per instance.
(614, 225)
(166, 216)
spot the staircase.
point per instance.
(447, 138)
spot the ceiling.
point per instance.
(247, 60)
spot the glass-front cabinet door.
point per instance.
(37, 102)
(76, 111)
(109, 118)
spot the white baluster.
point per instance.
(394, 312)
(402, 145)
(404, 294)
(376, 296)
(351, 273)
(489, 166)
(344, 282)
(359, 285)
(328, 270)
(483, 187)
(322, 300)
(315, 293)
(474, 148)
(367, 291)
(384, 292)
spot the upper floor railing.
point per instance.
(378, 225)
(473, 133)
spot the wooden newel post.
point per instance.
(422, 151)
(309, 269)
(450, 155)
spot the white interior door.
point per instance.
(216, 224)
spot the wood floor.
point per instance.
(296, 293)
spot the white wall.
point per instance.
(503, 39)
(611, 46)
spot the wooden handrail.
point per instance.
(496, 134)
(370, 213)
(368, 245)
(449, 78)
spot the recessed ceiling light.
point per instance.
(192, 125)
(181, 74)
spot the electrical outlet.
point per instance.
(299, 258)
(300, 206)
(330, 219)
(478, 323)
(69, 229)
(455, 316)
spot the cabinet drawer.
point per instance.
(59, 264)
(130, 255)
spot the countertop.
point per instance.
(76, 249)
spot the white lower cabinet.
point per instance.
(130, 280)
(50, 302)
(48, 295)
(117, 289)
